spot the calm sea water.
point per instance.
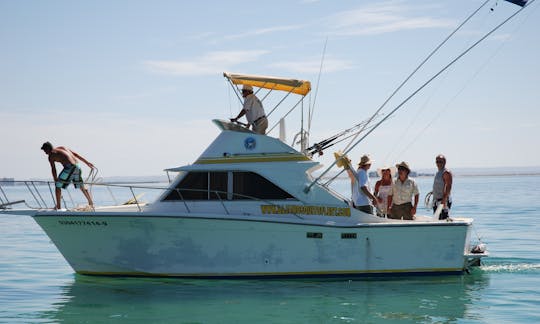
(38, 286)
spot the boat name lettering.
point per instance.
(306, 210)
(83, 223)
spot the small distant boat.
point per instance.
(249, 207)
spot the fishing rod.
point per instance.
(319, 147)
(419, 89)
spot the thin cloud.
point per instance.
(209, 64)
(313, 66)
(263, 31)
(383, 18)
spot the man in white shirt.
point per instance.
(363, 198)
(254, 111)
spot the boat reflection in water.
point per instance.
(440, 299)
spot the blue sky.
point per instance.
(133, 85)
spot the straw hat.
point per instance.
(365, 159)
(403, 165)
(392, 169)
(247, 87)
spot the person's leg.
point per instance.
(396, 212)
(58, 193)
(261, 126)
(407, 211)
(444, 214)
(88, 196)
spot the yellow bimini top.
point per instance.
(301, 87)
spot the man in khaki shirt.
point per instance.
(403, 191)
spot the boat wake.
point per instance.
(509, 267)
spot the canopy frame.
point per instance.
(271, 83)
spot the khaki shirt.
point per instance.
(403, 192)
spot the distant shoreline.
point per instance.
(420, 173)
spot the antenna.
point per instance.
(312, 109)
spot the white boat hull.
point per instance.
(203, 246)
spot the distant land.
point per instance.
(499, 171)
(466, 172)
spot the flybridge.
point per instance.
(287, 86)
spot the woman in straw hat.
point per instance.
(383, 187)
(403, 191)
(361, 190)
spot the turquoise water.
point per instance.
(38, 286)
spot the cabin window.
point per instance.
(217, 185)
(253, 185)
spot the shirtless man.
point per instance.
(70, 173)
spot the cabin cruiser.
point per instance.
(250, 207)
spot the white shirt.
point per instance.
(253, 107)
(358, 196)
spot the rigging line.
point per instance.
(230, 101)
(312, 108)
(423, 62)
(403, 135)
(424, 105)
(418, 90)
(287, 114)
(465, 85)
(235, 90)
(350, 135)
(333, 178)
(279, 103)
(342, 133)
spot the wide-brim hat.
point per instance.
(403, 164)
(365, 159)
(392, 169)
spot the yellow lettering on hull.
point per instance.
(306, 210)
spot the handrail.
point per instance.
(217, 193)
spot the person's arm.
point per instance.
(53, 170)
(242, 113)
(366, 192)
(90, 165)
(447, 178)
(413, 210)
(389, 199)
(416, 194)
(377, 187)
(352, 174)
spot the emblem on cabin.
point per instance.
(250, 143)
